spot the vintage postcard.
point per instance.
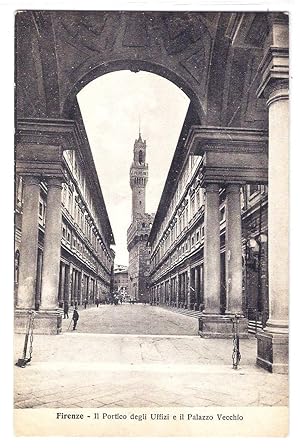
(151, 223)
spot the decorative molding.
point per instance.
(278, 90)
(230, 155)
(40, 144)
(237, 175)
(202, 139)
(274, 67)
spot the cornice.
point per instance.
(274, 67)
(56, 132)
(201, 139)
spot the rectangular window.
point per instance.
(70, 202)
(193, 206)
(253, 190)
(198, 200)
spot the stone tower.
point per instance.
(138, 177)
(138, 232)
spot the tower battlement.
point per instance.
(139, 230)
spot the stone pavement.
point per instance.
(133, 319)
(94, 370)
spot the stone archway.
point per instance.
(233, 66)
(134, 66)
(65, 50)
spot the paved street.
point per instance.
(126, 356)
(133, 319)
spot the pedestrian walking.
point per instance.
(75, 318)
(85, 303)
(66, 310)
(97, 302)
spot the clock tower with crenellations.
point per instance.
(141, 222)
(138, 177)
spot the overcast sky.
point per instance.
(110, 107)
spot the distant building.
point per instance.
(138, 232)
(121, 279)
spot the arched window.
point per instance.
(140, 156)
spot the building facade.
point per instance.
(177, 240)
(82, 228)
(138, 232)
(121, 280)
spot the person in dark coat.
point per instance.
(75, 317)
(66, 310)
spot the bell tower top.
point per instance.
(139, 149)
(138, 176)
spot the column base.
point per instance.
(272, 351)
(218, 326)
(45, 321)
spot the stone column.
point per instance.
(192, 289)
(272, 342)
(28, 252)
(181, 297)
(62, 284)
(272, 349)
(278, 193)
(197, 295)
(74, 286)
(67, 284)
(51, 263)
(212, 251)
(177, 290)
(70, 294)
(80, 288)
(234, 270)
(189, 284)
(211, 322)
(233, 251)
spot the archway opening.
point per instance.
(117, 108)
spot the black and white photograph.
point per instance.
(151, 284)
